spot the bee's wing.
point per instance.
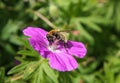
(66, 31)
(65, 35)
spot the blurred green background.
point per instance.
(96, 24)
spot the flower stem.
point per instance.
(45, 19)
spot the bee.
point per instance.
(56, 36)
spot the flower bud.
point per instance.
(53, 10)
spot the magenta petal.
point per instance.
(77, 48)
(34, 32)
(39, 46)
(62, 61)
(37, 39)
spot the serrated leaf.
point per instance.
(100, 76)
(50, 73)
(89, 78)
(30, 69)
(26, 43)
(93, 26)
(18, 68)
(28, 52)
(84, 33)
(15, 39)
(82, 30)
(39, 77)
(90, 68)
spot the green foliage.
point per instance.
(2, 75)
(99, 27)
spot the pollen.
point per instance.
(53, 49)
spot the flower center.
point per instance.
(53, 48)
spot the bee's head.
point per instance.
(49, 37)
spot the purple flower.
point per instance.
(58, 57)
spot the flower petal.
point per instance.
(37, 39)
(39, 46)
(34, 32)
(62, 61)
(77, 48)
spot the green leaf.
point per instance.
(108, 73)
(10, 28)
(26, 43)
(90, 24)
(30, 70)
(100, 76)
(84, 33)
(93, 26)
(113, 60)
(18, 68)
(18, 81)
(2, 75)
(28, 52)
(117, 78)
(89, 78)
(15, 39)
(90, 68)
(50, 73)
(39, 76)
(110, 11)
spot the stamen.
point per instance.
(53, 47)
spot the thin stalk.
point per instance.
(45, 19)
